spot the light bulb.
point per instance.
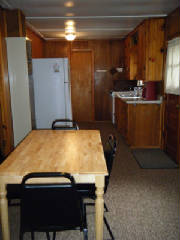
(70, 36)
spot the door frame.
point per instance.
(92, 76)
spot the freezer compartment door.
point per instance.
(48, 75)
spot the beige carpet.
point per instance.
(143, 204)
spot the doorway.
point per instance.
(82, 85)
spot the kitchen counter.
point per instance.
(136, 100)
(139, 121)
(140, 101)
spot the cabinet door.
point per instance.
(141, 61)
(154, 49)
(144, 125)
(121, 116)
(127, 58)
(133, 63)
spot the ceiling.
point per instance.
(94, 19)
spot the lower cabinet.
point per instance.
(139, 124)
(121, 116)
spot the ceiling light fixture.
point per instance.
(70, 30)
(70, 36)
(69, 4)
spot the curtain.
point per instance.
(172, 72)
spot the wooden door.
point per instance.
(172, 126)
(82, 85)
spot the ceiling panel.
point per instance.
(128, 23)
(93, 18)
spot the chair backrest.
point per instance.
(54, 206)
(109, 154)
(57, 124)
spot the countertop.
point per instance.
(138, 100)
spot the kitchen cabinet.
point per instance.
(139, 124)
(131, 57)
(144, 51)
(151, 50)
(121, 116)
(127, 58)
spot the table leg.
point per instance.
(99, 205)
(4, 212)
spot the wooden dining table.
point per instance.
(79, 153)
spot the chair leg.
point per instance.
(106, 209)
(90, 204)
(32, 235)
(108, 228)
(54, 235)
(21, 235)
(47, 235)
(85, 233)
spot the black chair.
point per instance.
(13, 193)
(68, 124)
(88, 190)
(51, 207)
(14, 190)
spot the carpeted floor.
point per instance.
(143, 204)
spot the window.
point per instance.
(172, 74)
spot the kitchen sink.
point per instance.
(129, 94)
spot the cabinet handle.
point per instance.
(162, 50)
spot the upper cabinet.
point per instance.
(131, 61)
(145, 46)
(155, 29)
(127, 58)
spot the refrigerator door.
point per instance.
(66, 70)
(67, 88)
(48, 75)
(68, 109)
(19, 87)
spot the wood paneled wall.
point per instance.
(12, 24)
(173, 24)
(107, 55)
(15, 23)
(6, 129)
(37, 43)
(56, 49)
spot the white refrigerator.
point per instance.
(52, 91)
(19, 87)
